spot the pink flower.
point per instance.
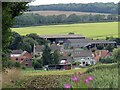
(74, 78)
(90, 78)
(86, 81)
(67, 86)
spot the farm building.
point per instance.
(88, 43)
(61, 38)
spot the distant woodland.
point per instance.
(30, 19)
(91, 7)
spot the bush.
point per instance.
(37, 65)
(17, 64)
(23, 67)
(107, 60)
(102, 66)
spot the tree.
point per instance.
(110, 47)
(15, 41)
(56, 56)
(100, 47)
(116, 54)
(10, 11)
(47, 56)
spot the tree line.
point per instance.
(90, 7)
(31, 19)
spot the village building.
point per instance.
(23, 57)
(61, 38)
(87, 43)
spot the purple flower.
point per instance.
(90, 78)
(74, 78)
(67, 86)
(86, 81)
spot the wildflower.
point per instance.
(74, 78)
(86, 81)
(90, 78)
(67, 86)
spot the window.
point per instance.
(16, 58)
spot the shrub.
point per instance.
(107, 60)
(23, 67)
(37, 65)
(17, 64)
(102, 66)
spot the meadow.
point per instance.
(91, 30)
(104, 76)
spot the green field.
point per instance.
(96, 30)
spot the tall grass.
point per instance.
(11, 78)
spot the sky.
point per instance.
(45, 2)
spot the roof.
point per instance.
(39, 48)
(68, 58)
(53, 47)
(102, 41)
(79, 40)
(103, 53)
(82, 53)
(62, 36)
(89, 41)
(17, 52)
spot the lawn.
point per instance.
(96, 30)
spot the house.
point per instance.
(22, 57)
(85, 57)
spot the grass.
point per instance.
(105, 76)
(54, 72)
(93, 30)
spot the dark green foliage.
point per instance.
(100, 47)
(116, 54)
(56, 57)
(107, 60)
(36, 19)
(110, 47)
(102, 67)
(17, 64)
(47, 56)
(9, 11)
(91, 7)
(25, 42)
(37, 65)
(8, 64)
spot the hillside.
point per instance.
(93, 30)
(67, 13)
(90, 7)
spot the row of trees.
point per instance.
(36, 19)
(25, 42)
(90, 7)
